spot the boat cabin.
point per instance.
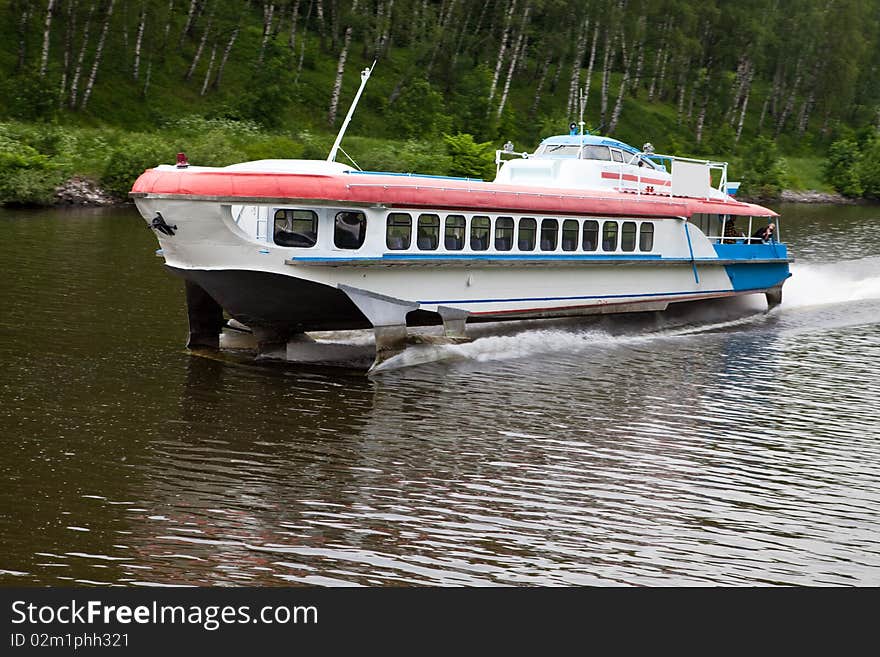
(596, 162)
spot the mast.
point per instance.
(365, 75)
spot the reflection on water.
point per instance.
(712, 445)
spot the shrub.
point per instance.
(410, 156)
(418, 112)
(469, 158)
(128, 162)
(866, 168)
(764, 171)
(26, 176)
(842, 168)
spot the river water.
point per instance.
(714, 446)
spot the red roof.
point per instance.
(426, 192)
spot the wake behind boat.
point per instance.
(584, 225)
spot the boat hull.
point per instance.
(287, 304)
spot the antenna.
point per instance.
(365, 75)
(582, 102)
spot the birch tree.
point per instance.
(340, 70)
(74, 84)
(47, 30)
(517, 51)
(142, 21)
(502, 49)
(98, 52)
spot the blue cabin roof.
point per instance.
(588, 140)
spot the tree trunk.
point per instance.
(380, 25)
(302, 43)
(147, 76)
(23, 23)
(745, 104)
(47, 30)
(589, 80)
(655, 73)
(574, 86)
(70, 29)
(386, 32)
(438, 42)
(74, 83)
(340, 71)
(606, 78)
(100, 50)
(225, 57)
(502, 49)
(789, 104)
(618, 104)
(198, 55)
(682, 87)
(167, 29)
(736, 90)
(540, 86)
(322, 25)
(189, 21)
(291, 41)
(268, 16)
(807, 107)
(517, 51)
(138, 41)
(640, 63)
(763, 113)
(210, 69)
(661, 83)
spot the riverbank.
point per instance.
(80, 191)
(809, 196)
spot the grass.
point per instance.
(806, 173)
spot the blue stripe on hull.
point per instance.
(756, 276)
(750, 275)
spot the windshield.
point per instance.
(573, 151)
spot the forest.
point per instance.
(787, 91)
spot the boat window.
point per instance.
(350, 230)
(528, 227)
(480, 233)
(454, 237)
(609, 236)
(559, 150)
(428, 234)
(569, 235)
(616, 155)
(596, 153)
(549, 234)
(296, 228)
(591, 235)
(628, 236)
(646, 236)
(504, 233)
(398, 232)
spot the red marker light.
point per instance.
(181, 161)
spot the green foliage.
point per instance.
(126, 163)
(469, 158)
(764, 174)
(419, 111)
(868, 171)
(267, 99)
(27, 177)
(29, 97)
(842, 168)
(410, 156)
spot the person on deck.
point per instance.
(731, 230)
(765, 233)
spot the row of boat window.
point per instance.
(299, 228)
(525, 233)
